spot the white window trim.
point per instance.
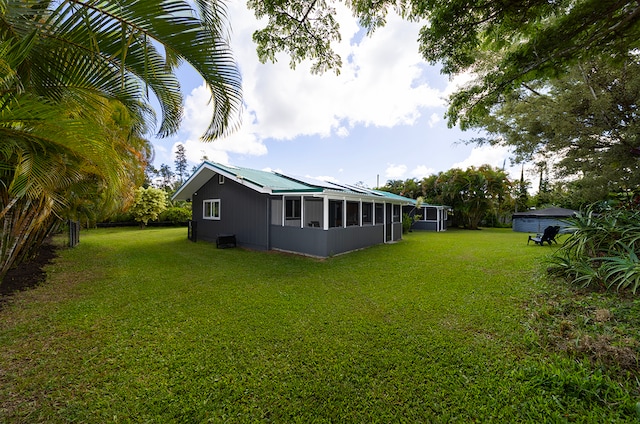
(220, 179)
(212, 202)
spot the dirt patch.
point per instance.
(28, 274)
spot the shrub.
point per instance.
(148, 205)
(176, 214)
(601, 250)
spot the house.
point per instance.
(535, 221)
(273, 211)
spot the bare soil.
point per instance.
(28, 274)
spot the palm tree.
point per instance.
(64, 66)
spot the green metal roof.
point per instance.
(277, 183)
(272, 182)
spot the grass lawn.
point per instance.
(145, 326)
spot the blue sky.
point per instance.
(382, 118)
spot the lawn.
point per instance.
(145, 326)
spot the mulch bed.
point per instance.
(28, 274)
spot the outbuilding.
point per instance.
(265, 210)
(535, 221)
(430, 217)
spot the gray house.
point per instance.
(269, 210)
(535, 221)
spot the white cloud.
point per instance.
(380, 84)
(197, 115)
(434, 119)
(422, 171)
(496, 156)
(490, 155)
(395, 171)
(384, 82)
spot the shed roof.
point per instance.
(546, 213)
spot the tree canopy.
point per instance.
(585, 123)
(475, 194)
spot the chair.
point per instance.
(549, 235)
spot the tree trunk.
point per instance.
(25, 226)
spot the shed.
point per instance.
(431, 217)
(535, 221)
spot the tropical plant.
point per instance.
(474, 193)
(66, 65)
(601, 251)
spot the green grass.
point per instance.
(145, 326)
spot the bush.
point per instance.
(149, 204)
(601, 250)
(176, 214)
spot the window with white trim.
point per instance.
(220, 179)
(211, 209)
(292, 209)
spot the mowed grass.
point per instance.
(145, 326)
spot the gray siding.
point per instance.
(536, 225)
(243, 212)
(318, 242)
(397, 231)
(425, 225)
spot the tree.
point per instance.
(148, 205)
(505, 44)
(522, 193)
(181, 163)
(586, 124)
(64, 64)
(408, 188)
(167, 177)
(474, 194)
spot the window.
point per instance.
(220, 179)
(430, 214)
(335, 213)
(367, 213)
(292, 209)
(396, 213)
(379, 213)
(211, 209)
(353, 214)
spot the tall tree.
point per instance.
(167, 177)
(474, 194)
(586, 124)
(181, 163)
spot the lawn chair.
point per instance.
(549, 235)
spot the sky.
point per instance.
(382, 118)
